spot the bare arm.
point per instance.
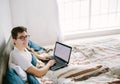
(42, 71)
(38, 56)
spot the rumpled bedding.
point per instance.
(96, 62)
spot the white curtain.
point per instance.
(40, 17)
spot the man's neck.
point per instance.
(20, 48)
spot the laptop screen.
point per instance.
(62, 51)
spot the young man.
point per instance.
(20, 56)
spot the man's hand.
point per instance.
(45, 58)
(51, 63)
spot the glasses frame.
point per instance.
(22, 38)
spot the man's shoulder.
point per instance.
(14, 52)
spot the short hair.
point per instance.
(16, 30)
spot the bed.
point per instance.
(91, 62)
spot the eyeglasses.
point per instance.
(22, 38)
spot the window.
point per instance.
(87, 15)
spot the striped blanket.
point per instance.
(91, 63)
(79, 73)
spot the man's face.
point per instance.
(22, 40)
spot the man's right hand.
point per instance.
(51, 62)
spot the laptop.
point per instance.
(62, 53)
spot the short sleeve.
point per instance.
(21, 60)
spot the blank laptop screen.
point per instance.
(62, 51)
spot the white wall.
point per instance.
(5, 20)
(41, 18)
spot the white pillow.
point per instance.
(20, 72)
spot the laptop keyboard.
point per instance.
(59, 64)
(58, 60)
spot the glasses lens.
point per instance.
(23, 37)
